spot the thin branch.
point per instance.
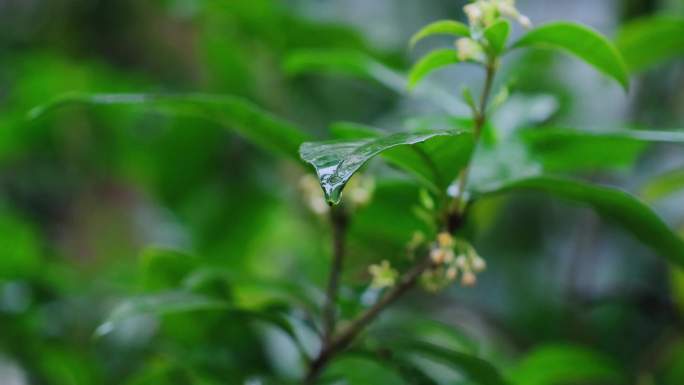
(480, 120)
(346, 336)
(338, 219)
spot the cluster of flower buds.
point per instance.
(448, 265)
(383, 275)
(470, 50)
(483, 13)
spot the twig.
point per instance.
(346, 336)
(338, 219)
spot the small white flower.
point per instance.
(383, 275)
(469, 50)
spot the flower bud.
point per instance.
(445, 240)
(479, 264)
(468, 279)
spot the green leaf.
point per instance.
(560, 149)
(361, 65)
(159, 305)
(434, 163)
(176, 302)
(431, 62)
(583, 42)
(473, 368)
(664, 185)
(249, 121)
(336, 161)
(441, 27)
(497, 35)
(617, 205)
(360, 370)
(652, 40)
(561, 364)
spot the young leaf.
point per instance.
(361, 65)
(248, 120)
(623, 208)
(651, 40)
(432, 61)
(336, 161)
(441, 27)
(584, 43)
(497, 35)
(664, 185)
(554, 364)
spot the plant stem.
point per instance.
(332, 344)
(338, 219)
(347, 335)
(479, 120)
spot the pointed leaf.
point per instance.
(617, 205)
(648, 41)
(248, 120)
(358, 64)
(431, 62)
(583, 42)
(497, 35)
(555, 364)
(441, 27)
(434, 163)
(336, 161)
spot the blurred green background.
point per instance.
(100, 204)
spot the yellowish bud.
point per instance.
(445, 240)
(469, 279)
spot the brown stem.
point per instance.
(338, 219)
(346, 336)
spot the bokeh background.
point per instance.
(98, 204)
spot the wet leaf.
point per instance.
(336, 161)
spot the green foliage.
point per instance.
(621, 207)
(649, 41)
(581, 41)
(556, 364)
(337, 161)
(441, 27)
(83, 190)
(497, 36)
(246, 119)
(431, 62)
